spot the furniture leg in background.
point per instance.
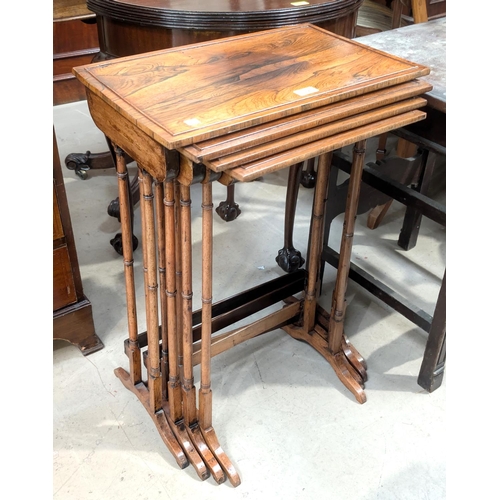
(431, 372)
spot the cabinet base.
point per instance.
(75, 324)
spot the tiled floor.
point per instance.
(291, 428)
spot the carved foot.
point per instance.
(289, 259)
(117, 243)
(114, 209)
(308, 179)
(352, 354)
(208, 457)
(346, 374)
(357, 361)
(79, 163)
(181, 433)
(228, 211)
(223, 459)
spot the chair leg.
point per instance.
(432, 367)
(413, 217)
(404, 149)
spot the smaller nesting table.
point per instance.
(230, 111)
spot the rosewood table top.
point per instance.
(201, 91)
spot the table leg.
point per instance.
(346, 361)
(413, 217)
(336, 327)
(174, 396)
(133, 380)
(350, 364)
(228, 209)
(205, 392)
(188, 388)
(128, 268)
(161, 245)
(316, 241)
(308, 175)
(150, 288)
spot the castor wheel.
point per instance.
(117, 243)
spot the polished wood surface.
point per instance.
(218, 87)
(127, 28)
(64, 10)
(243, 140)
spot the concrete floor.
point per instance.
(292, 430)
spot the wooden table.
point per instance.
(233, 110)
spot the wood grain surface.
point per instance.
(201, 91)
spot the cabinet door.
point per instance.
(64, 289)
(64, 285)
(57, 231)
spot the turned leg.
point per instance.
(348, 365)
(172, 328)
(151, 399)
(205, 392)
(336, 327)
(151, 290)
(316, 242)
(288, 258)
(161, 246)
(188, 388)
(128, 263)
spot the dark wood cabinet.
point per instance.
(75, 42)
(73, 319)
